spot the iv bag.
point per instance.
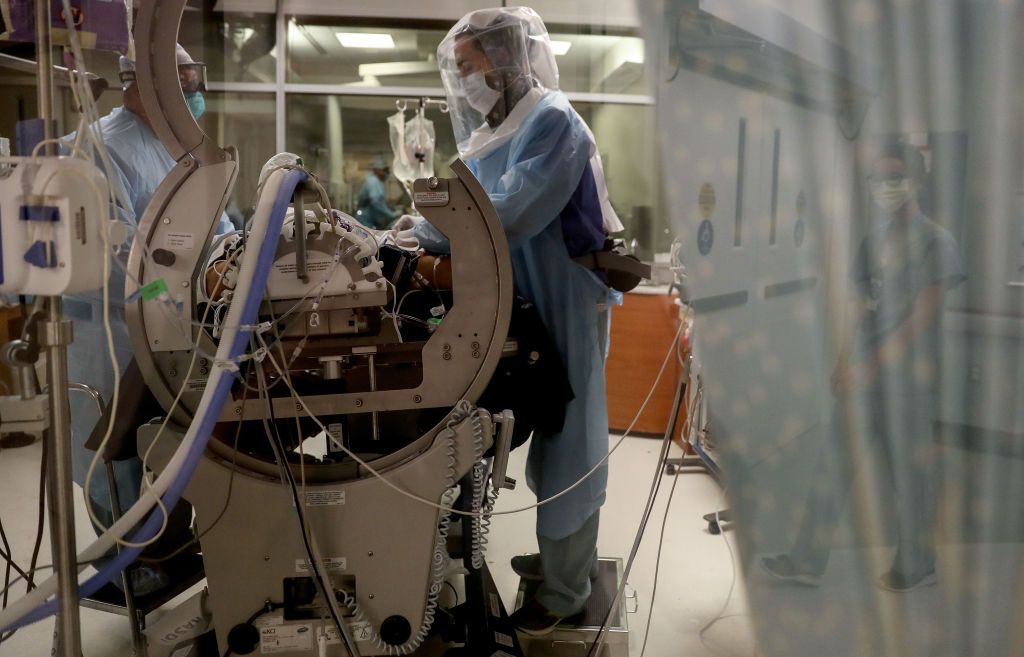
(413, 144)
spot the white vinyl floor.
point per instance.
(695, 577)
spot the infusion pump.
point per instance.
(55, 217)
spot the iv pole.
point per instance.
(55, 334)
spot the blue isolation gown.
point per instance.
(140, 163)
(531, 179)
(372, 202)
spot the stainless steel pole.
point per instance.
(55, 334)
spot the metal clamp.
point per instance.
(502, 447)
(56, 334)
(630, 595)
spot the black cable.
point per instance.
(596, 646)
(268, 606)
(657, 561)
(277, 445)
(50, 566)
(7, 555)
(41, 518)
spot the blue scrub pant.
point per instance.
(894, 432)
(566, 564)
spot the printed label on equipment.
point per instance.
(333, 565)
(362, 631)
(431, 198)
(196, 385)
(503, 640)
(314, 265)
(285, 638)
(182, 241)
(325, 498)
(437, 311)
(334, 431)
(495, 605)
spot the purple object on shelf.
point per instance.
(101, 24)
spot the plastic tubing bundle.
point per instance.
(266, 227)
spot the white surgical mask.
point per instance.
(478, 94)
(892, 197)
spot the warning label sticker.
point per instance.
(333, 565)
(431, 198)
(325, 498)
(361, 631)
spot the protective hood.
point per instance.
(491, 61)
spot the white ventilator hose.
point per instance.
(138, 512)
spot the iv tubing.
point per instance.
(253, 274)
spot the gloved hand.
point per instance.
(406, 239)
(406, 222)
(403, 233)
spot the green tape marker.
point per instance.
(154, 289)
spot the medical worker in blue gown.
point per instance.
(373, 210)
(140, 163)
(537, 160)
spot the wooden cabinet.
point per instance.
(643, 329)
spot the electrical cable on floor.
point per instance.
(657, 562)
(40, 517)
(691, 412)
(597, 645)
(728, 598)
(51, 566)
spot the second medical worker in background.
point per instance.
(537, 160)
(139, 163)
(373, 210)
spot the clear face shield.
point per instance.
(488, 62)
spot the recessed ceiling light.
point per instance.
(560, 47)
(365, 40)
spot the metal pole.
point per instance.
(56, 335)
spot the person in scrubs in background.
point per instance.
(887, 379)
(372, 202)
(139, 163)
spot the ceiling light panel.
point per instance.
(377, 40)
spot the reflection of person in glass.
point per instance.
(372, 203)
(887, 377)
